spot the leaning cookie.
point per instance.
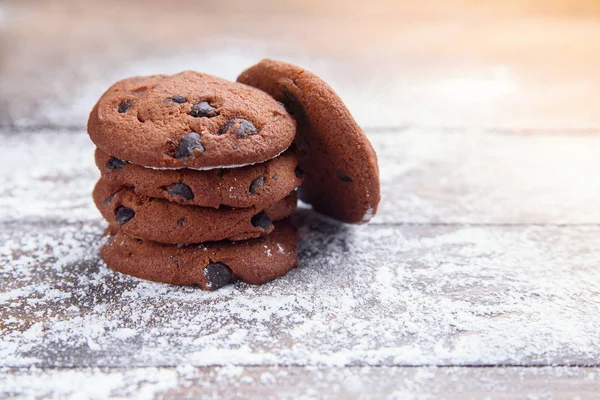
(341, 173)
(263, 183)
(166, 222)
(210, 265)
(189, 120)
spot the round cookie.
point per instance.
(166, 222)
(263, 183)
(340, 166)
(189, 120)
(210, 265)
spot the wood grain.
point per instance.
(297, 382)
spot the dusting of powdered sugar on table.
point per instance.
(393, 292)
(367, 295)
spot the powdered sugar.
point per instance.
(280, 249)
(363, 295)
(370, 213)
(470, 177)
(268, 251)
(367, 295)
(47, 175)
(232, 382)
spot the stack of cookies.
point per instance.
(199, 174)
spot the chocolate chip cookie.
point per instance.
(263, 183)
(210, 265)
(340, 166)
(167, 222)
(189, 120)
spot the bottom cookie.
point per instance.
(211, 265)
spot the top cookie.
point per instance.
(340, 166)
(189, 120)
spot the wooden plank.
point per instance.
(426, 177)
(469, 177)
(414, 63)
(233, 382)
(366, 295)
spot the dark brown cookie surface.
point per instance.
(166, 222)
(189, 120)
(263, 183)
(210, 265)
(340, 165)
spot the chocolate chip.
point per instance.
(275, 177)
(217, 275)
(124, 106)
(299, 173)
(115, 163)
(181, 190)
(178, 98)
(189, 142)
(343, 177)
(123, 214)
(261, 220)
(246, 128)
(256, 184)
(226, 127)
(181, 221)
(294, 107)
(203, 109)
(108, 200)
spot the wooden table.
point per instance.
(479, 276)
